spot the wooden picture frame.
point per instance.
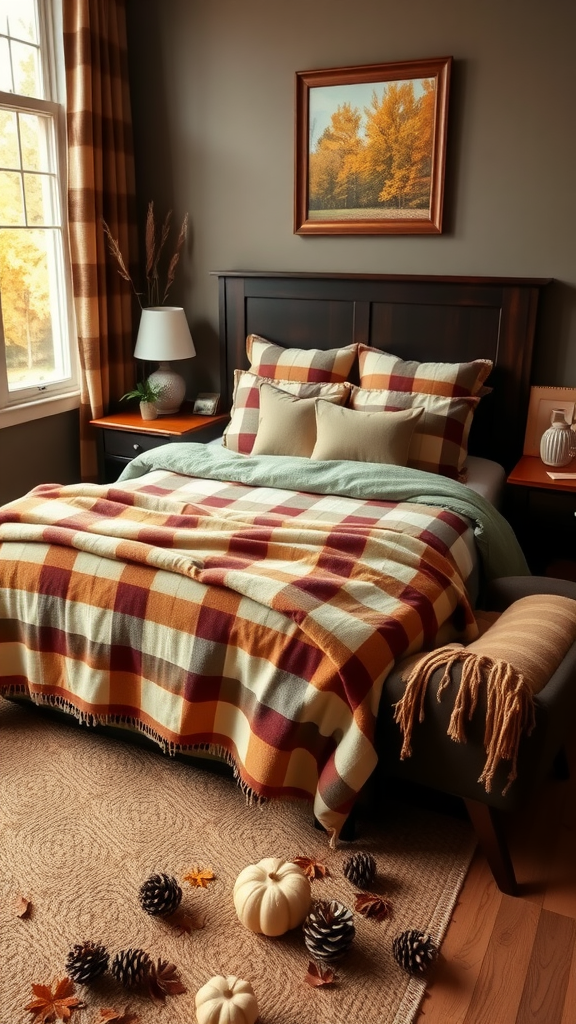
(206, 404)
(342, 116)
(543, 401)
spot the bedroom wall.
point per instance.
(212, 87)
(213, 109)
(43, 451)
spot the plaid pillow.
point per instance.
(440, 440)
(381, 370)
(312, 365)
(241, 431)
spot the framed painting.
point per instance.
(543, 402)
(370, 149)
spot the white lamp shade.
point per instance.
(164, 334)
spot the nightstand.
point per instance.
(542, 513)
(124, 435)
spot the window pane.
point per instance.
(31, 316)
(9, 154)
(39, 192)
(21, 18)
(35, 138)
(26, 70)
(5, 72)
(11, 204)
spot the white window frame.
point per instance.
(37, 401)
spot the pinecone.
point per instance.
(360, 869)
(328, 930)
(160, 894)
(130, 967)
(86, 961)
(414, 951)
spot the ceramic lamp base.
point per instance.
(173, 389)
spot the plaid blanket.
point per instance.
(258, 623)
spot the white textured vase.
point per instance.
(556, 444)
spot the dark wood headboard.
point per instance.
(450, 319)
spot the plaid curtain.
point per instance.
(100, 186)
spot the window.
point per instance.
(37, 338)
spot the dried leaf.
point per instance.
(163, 980)
(51, 1006)
(183, 923)
(369, 904)
(319, 976)
(200, 876)
(120, 1016)
(311, 867)
(22, 906)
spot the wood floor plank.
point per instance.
(548, 973)
(498, 990)
(463, 950)
(569, 1012)
(504, 976)
(560, 896)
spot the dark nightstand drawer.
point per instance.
(122, 436)
(127, 444)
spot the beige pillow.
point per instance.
(286, 423)
(363, 436)
(241, 431)
(440, 441)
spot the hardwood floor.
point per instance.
(508, 960)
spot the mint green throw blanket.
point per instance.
(499, 549)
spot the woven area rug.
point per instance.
(84, 819)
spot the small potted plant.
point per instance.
(147, 394)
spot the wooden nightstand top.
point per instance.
(531, 472)
(164, 426)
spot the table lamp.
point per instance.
(164, 335)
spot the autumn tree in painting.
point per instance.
(334, 172)
(381, 159)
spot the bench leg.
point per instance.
(488, 827)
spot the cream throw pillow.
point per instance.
(363, 436)
(286, 423)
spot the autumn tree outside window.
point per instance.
(37, 338)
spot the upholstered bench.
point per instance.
(543, 721)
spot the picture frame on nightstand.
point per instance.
(543, 401)
(206, 404)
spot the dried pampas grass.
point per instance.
(155, 240)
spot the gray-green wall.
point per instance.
(213, 88)
(213, 107)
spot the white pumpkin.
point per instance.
(226, 1001)
(272, 897)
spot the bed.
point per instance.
(252, 605)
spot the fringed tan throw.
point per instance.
(512, 661)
